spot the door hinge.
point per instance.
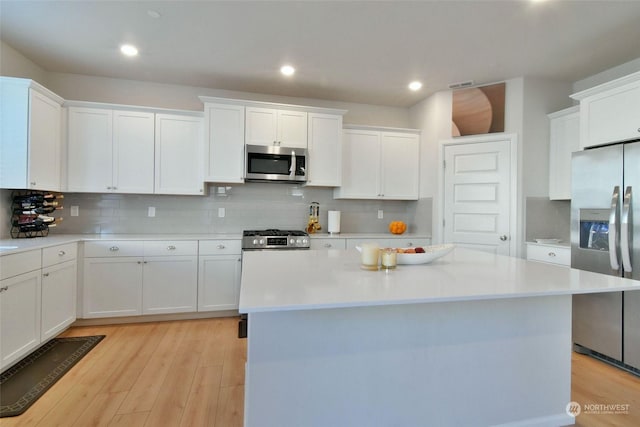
(444, 164)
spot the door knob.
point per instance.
(503, 238)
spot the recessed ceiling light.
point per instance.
(287, 70)
(415, 86)
(154, 13)
(129, 50)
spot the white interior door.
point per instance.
(477, 195)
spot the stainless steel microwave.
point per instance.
(275, 163)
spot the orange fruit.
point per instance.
(397, 227)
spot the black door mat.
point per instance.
(24, 383)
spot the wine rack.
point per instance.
(32, 213)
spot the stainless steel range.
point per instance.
(271, 239)
(274, 239)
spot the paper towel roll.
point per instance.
(333, 222)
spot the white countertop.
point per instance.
(9, 246)
(303, 280)
(369, 236)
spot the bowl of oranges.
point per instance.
(422, 254)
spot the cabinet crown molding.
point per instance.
(109, 106)
(613, 84)
(564, 112)
(273, 105)
(31, 84)
(380, 128)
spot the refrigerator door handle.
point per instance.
(624, 231)
(613, 247)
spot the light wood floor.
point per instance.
(183, 373)
(191, 373)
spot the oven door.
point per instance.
(273, 163)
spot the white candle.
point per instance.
(370, 254)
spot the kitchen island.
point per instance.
(473, 339)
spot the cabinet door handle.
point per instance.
(62, 253)
(327, 245)
(34, 183)
(4, 288)
(409, 243)
(114, 248)
(45, 274)
(220, 246)
(552, 254)
(139, 262)
(171, 248)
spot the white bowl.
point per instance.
(431, 253)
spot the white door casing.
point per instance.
(479, 193)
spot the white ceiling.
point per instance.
(343, 50)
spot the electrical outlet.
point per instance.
(221, 212)
(380, 214)
(75, 211)
(152, 211)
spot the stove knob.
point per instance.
(255, 241)
(292, 241)
(261, 241)
(298, 242)
(305, 241)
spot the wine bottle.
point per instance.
(37, 198)
(34, 205)
(41, 210)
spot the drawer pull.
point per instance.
(552, 254)
(221, 246)
(171, 248)
(45, 274)
(328, 245)
(62, 253)
(4, 288)
(114, 249)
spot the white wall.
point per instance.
(15, 64)
(134, 92)
(527, 103)
(607, 75)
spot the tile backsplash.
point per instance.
(548, 219)
(247, 206)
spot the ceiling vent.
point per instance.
(460, 85)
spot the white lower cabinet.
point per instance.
(327, 243)
(58, 298)
(112, 287)
(219, 275)
(551, 254)
(169, 284)
(131, 278)
(19, 316)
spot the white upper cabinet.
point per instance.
(325, 150)
(110, 151)
(380, 164)
(179, 165)
(129, 150)
(268, 126)
(564, 139)
(610, 112)
(30, 134)
(224, 142)
(400, 165)
(360, 165)
(133, 149)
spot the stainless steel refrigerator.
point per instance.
(603, 208)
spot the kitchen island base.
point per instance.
(481, 362)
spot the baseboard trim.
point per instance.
(154, 318)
